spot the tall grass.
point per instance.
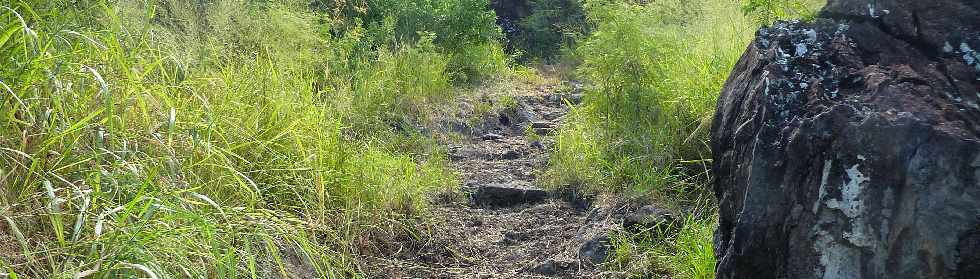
(681, 252)
(216, 139)
(654, 72)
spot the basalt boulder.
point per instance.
(849, 147)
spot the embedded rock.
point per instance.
(551, 267)
(491, 137)
(542, 125)
(850, 147)
(650, 218)
(596, 250)
(507, 195)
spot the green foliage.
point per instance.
(654, 77)
(454, 23)
(401, 82)
(551, 26)
(476, 62)
(654, 72)
(768, 11)
(685, 252)
(465, 28)
(211, 139)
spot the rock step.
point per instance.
(502, 195)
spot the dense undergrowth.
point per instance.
(221, 139)
(266, 138)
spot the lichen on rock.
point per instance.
(845, 147)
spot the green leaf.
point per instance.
(8, 32)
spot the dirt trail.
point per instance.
(533, 239)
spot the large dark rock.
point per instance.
(850, 147)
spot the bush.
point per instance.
(552, 25)
(399, 86)
(768, 11)
(458, 27)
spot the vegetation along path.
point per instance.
(508, 227)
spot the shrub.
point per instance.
(551, 26)
(768, 11)
(453, 24)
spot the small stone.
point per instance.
(507, 195)
(551, 267)
(650, 218)
(537, 144)
(491, 136)
(542, 125)
(510, 155)
(596, 250)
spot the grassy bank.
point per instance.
(220, 139)
(654, 72)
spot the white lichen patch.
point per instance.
(765, 92)
(827, 165)
(970, 56)
(801, 50)
(852, 206)
(850, 203)
(839, 254)
(837, 259)
(973, 105)
(841, 29)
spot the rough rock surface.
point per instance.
(850, 147)
(507, 195)
(596, 250)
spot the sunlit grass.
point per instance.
(156, 141)
(681, 251)
(655, 72)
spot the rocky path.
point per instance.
(507, 227)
